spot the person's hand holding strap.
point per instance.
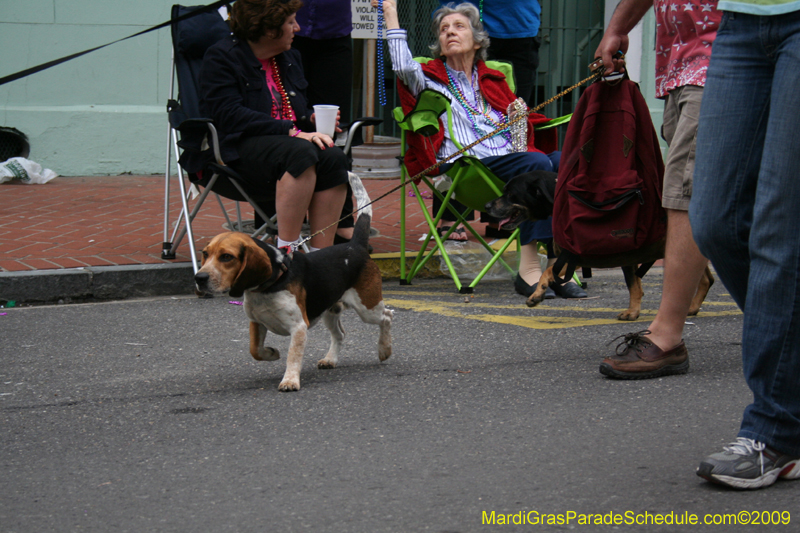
(615, 39)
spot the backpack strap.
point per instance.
(565, 259)
(643, 268)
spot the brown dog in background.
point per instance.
(530, 196)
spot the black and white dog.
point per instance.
(288, 293)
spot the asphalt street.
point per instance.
(150, 415)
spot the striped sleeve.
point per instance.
(403, 64)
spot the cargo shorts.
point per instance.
(681, 113)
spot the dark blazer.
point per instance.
(234, 94)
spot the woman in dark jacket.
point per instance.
(252, 86)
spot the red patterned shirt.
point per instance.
(685, 30)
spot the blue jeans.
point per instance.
(745, 209)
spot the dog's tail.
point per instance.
(361, 231)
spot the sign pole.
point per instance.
(365, 26)
(369, 87)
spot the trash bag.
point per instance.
(469, 258)
(13, 143)
(24, 171)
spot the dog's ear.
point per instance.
(254, 268)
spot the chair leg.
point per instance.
(167, 249)
(225, 213)
(189, 218)
(497, 256)
(403, 196)
(491, 250)
(422, 257)
(432, 223)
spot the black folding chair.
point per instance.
(189, 131)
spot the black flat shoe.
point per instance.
(569, 290)
(526, 290)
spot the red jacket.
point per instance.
(495, 90)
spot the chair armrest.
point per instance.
(424, 118)
(553, 123)
(354, 131)
(200, 128)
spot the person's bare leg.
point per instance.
(325, 209)
(530, 270)
(292, 198)
(683, 268)
(346, 233)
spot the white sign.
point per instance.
(365, 20)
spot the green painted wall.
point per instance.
(648, 75)
(103, 113)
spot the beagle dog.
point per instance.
(288, 293)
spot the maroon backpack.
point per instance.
(608, 194)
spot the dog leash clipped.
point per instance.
(44, 66)
(598, 67)
(596, 72)
(277, 273)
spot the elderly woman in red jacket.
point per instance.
(480, 99)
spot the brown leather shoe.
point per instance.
(638, 358)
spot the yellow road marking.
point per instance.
(421, 293)
(533, 321)
(473, 300)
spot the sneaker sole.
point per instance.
(669, 370)
(789, 471)
(704, 471)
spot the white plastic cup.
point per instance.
(326, 118)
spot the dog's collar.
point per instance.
(279, 270)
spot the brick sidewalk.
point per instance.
(74, 222)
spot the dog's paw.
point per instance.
(533, 300)
(384, 352)
(325, 364)
(289, 385)
(385, 338)
(628, 315)
(267, 354)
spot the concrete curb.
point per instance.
(135, 281)
(116, 282)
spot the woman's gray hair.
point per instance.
(479, 35)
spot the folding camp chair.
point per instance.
(473, 185)
(190, 40)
